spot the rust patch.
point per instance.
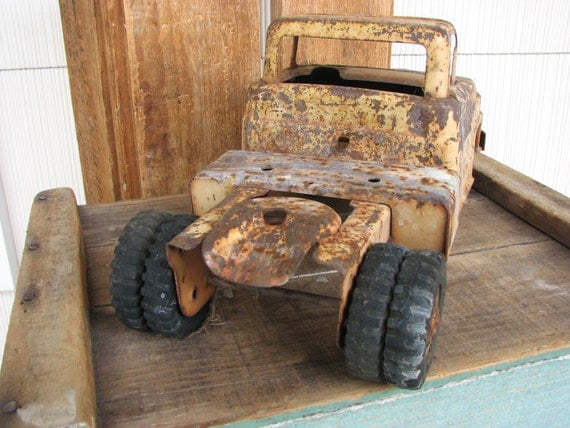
(184, 254)
(191, 275)
(367, 224)
(435, 35)
(383, 126)
(401, 187)
(261, 242)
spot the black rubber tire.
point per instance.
(128, 266)
(416, 309)
(160, 301)
(369, 310)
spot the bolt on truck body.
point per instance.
(396, 146)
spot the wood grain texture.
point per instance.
(319, 51)
(89, 93)
(47, 373)
(195, 61)
(265, 353)
(158, 89)
(544, 208)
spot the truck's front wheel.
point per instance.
(160, 301)
(128, 266)
(394, 314)
(415, 315)
(369, 311)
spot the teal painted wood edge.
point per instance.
(533, 391)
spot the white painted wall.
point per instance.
(517, 51)
(518, 54)
(38, 148)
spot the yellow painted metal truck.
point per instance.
(394, 148)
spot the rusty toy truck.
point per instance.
(395, 147)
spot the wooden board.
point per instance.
(321, 51)
(158, 89)
(89, 92)
(47, 372)
(532, 201)
(272, 354)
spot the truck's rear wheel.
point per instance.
(369, 310)
(129, 264)
(160, 301)
(415, 312)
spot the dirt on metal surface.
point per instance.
(184, 255)
(262, 241)
(421, 198)
(394, 117)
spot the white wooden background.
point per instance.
(517, 51)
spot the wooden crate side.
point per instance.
(47, 375)
(192, 64)
(542, 207)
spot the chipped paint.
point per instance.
(421, 198)
(262, 241)
(436, 36)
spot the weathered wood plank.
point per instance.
(89, 94)
(338, 52)
(47, 373)
(544, 208)
(103, 223)
(483, 225)
(158, 89)
(504, 304)
(192, 64)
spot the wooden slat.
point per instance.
(544, 208)
(192, 64)
(319, 51)
(495, 227)
(89, 94)
(102, 225)
(158, 89)
(47, 373)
